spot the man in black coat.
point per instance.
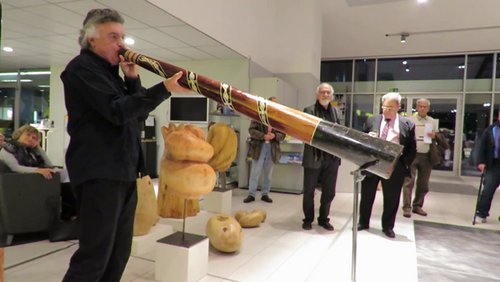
(104, 155)
(398, 129)
(319, 166)
(488, 163)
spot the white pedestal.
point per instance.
(146, 243)
(218, 201)
(181, 259)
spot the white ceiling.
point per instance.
(44, 32)
(358, 28)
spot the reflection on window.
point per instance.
(362, 109)
(34, 97)
(476, 119)
(339, 73)
(479, 72)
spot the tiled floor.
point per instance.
(279, 250)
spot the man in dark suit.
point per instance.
(398, 129)
(319, 166)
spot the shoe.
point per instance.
(480, 219)
(406, 212)
(389, 233)
(307, 226)
(362, 227)
(419, 211)
(266, 198)
(326, 225)
(249, 199)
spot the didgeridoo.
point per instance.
(347, 143)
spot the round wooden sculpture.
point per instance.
(250, 219)
(224, 233)
(145, 212)
(184, 172)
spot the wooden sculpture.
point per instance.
(250, 219)
(184, 172)
(146, 211)
(224, 233)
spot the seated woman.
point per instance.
(23, 154)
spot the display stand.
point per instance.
(357, 176)
(219, 200)
(181, 257)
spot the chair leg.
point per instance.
(1, 264)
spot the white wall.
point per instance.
(283, 36)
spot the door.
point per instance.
(447, 110)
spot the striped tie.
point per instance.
(385, 131)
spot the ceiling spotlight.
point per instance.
(8, 49)
(405, 62)
(129, 41)
(404, 36)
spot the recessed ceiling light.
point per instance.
(129, 41)
(8, 49)
(421, 1)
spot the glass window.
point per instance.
(422, 74)
(35, 93)
(497, 81)
(476, 119)
(479, 72)
(364, 75)
(7, 95)
(338, 73)
(362, 109)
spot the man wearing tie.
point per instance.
(398, 129)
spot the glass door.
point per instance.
(447, 110)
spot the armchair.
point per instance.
(27, 203)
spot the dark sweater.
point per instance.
(104, 116)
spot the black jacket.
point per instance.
(485, 152)
(406, 138)
(104, 115)
(313, 157)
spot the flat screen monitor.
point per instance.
(188, 109)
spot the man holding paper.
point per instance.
(425, 131)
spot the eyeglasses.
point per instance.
(389, 108)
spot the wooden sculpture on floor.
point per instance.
(249, 219)
(224, 233)
(146, 211)
(184, 172)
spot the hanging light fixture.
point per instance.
(404, 37)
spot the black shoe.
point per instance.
(362, 227)
(389, 233)
(326, 225)
(307, 226)
(266, 198)
(249, 199)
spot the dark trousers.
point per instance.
(391, 189)
(490, 183)
(421, 169)
(326, 175)
(107, 210)
(68, 201)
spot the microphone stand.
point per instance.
(358, 176)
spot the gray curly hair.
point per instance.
(93, 18)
